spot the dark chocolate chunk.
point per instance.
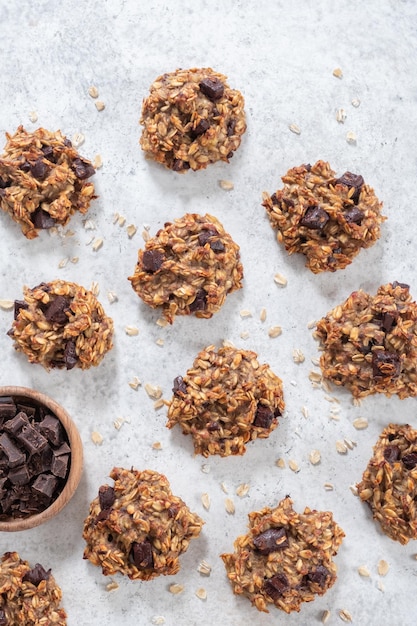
(213, 88)
(179, 165)
(179, 386)
(40, 463)
(217, 246)
(276, 586)
(410, 460)
(36, 575)
(352, 180)
(4, 184)
(402, 285)
(213, 426)
(385, 364)
(173, 510)
(230, 127)
(16, 424)
(15, 456)
(19, 304)
(39, 169)
(389, 319)
(271, 540)
(106, 497)
(307, 166)
(141, 554)
(353, 215)
(152, 260)
(319, 575)
(55, 310)
(7, 407)
(48, 153)
(19, 475)
(206, 235)
(202, 126)
(25, 166)
(63, 449)
(51, 428)
(200, 302)
(67, 143)
(31, 439)
(42, 219)
(263, 416)
(392, 454)
(70, 355)
(59, 465)
(103, 515)
(45, 485)
(315, 218)
(82, 169)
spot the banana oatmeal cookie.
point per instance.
(192, 118)
(225, 400)
(286, 558)
(43, 180)
(328, 219)
(369, 343)
(189, 267)
(389, 483)
(61, 324)
(138, 527)
(28, 596)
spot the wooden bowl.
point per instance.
(76, 460)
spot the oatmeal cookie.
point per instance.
(43, 180)
(61, 324)
(138, 527)
(389, 483)
(286, 558)
(328, 219)
(28, 596)
(188, 267)
(192, 118)
(369, 343)
(225, 400)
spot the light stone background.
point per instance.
(281, 55)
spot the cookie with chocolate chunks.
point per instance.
(327, 218)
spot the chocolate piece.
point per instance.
(319, 575)
(353, 215)
(141, 554)
(41, 219)
(106, 497)
(48, 153)
(206, 235)
(217, 246)
(63, 449)
(82, 169)
(31, 439)
(213, 88)
(4, 621)
(40, 463)
(276, 586)
(263, 416)
(14, 455)
(39, 169)
(271, 540)
(70, 354)
(36, 575)
(202, 126)
(55, 310)
(402, 285)
(389, 319)
(179, 387)
(152, 260)
(19, 475)
(200, 302)
(45, 485)
(315, 218)
(179, 165)
(392, 454)
(19, 304)
(7, 407)
(59, 465)
(52, 429)
(410, 460)
(352, 180)
(230, 127)
(386, 364)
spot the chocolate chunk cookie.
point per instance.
(28, 596)
(61, 324)
(43, 180)
(326, 218)
(225, 400)
(369, 342)
(389, 483)
(189, 267)
(138, 527)
(192, 118)
(286, 558)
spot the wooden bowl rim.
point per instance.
(76, 468)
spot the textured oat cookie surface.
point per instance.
(192, 118)
(286, 558)
(326, 218)
(28, 596)
(138, 527)
(225, 400)
(189, 267)
(369, 343)
(61, 324)
(43, 180)
(389, 483)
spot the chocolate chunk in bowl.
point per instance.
(41, 458)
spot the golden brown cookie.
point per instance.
(28, 596)
(225, 400)
(61, 324)
(369, 343)
(138, 527)
(192, 118)
(286, 558)
(389, 483)
(326, 218)
(43, 180)
(189, 267)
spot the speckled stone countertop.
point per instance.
(281, 55)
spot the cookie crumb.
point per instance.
(157, 445)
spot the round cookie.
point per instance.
(61, 324)
(328, 219)
(286, 558)
(192, 118)
(225, 400)
(369, 343)
(188, 267)
(389, 483)
(138, 527)
(28, 595)
(43, 180)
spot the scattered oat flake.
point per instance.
(351, 137)
(341, 447)
(97, 162)
(93, 91)
(75, 259)
(159, 404)
(354, 489)
(280, 463)
(304, 411)
(311, 324)
(245, 313)
(337, 72)
(383, 567)
(275, 331)
(293, 465)
(204, 568)
(205, 501)
(298, 356)
(112, 586)
(158, 620)
(112, 297)
(224, 488)
(89, 224)
(227, 343)
(131, 331)
(315, 457)
(356, 402)
(360, 423)
(205, 468)
(328, 486)
(201, 593)
(345, 616)
(242, 490)
(295, 129)
(350, 444)
(315, 377)
(227, 185)
(160, 342)
(363, 571)
(135, 383)
(115, 217)
(97, 243)
(244, 334)
(131, 230)
(153, 391)
(95, 288)
(6, 305)
(380, 586)
(162, 322)
(77, 140)
(33, 116)
(341, 116)
(280, 279)
(118, 422)
(176, 588)
(96, 438)
(230, 506)
(157, 445)
(100, 106)
(355, 102)
(121, 220)
(145, 235)
(325, 616)
(262, 315)
(63, 263)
